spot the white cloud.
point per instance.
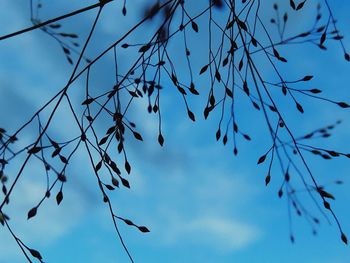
(220, 233)
(224, 233)
(50, 223)
(208, 208)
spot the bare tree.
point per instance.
(244, 60)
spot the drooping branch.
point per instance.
(238, 38)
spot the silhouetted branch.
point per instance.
(237, 38)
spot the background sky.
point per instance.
(200, 203)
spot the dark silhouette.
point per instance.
(238, 43)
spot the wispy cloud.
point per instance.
(50, 224)
(221, 233)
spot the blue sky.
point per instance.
(200, 203)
